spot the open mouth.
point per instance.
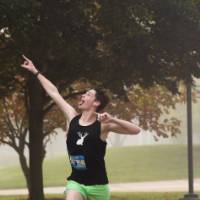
(81, 102)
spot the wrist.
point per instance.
(37, 73)
(112, 119)
(34, 71)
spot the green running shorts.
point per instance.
(89, 192)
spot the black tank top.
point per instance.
(86, 153)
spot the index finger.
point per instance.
(25, 58)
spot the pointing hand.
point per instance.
(28, 64)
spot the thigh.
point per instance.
(98, 192)
(75, 191)
(73, 195)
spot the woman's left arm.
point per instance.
(118, 125)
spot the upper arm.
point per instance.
(113, 127)
(117, 129)
(65, 107)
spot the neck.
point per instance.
(88, 116)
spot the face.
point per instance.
(88, 101)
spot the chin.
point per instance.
(81, 108)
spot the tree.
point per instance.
(154, 41)
(14, 128)
(36, 22)
(115, 43)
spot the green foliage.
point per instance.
(114, 42)
(152, 40)
(150, 108)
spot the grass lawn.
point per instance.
(127, 164)
(118, 196)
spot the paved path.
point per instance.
(156, 186)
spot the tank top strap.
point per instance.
(75, 120)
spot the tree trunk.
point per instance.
(36, 95)
(25, 169)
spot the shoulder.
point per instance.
(71, 121)
(70, 124)
(74, 118)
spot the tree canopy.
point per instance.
(116, 44)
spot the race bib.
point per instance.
(78, 162)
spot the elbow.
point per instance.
(136, 131)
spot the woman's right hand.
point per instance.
(28, 64)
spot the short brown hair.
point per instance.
(102, 98)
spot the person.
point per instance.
(86, 139)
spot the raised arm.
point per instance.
(51, 90)
(118, 125)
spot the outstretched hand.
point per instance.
(28, 64)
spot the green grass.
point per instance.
(118, 196)
(127, 164)
(150, 163)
